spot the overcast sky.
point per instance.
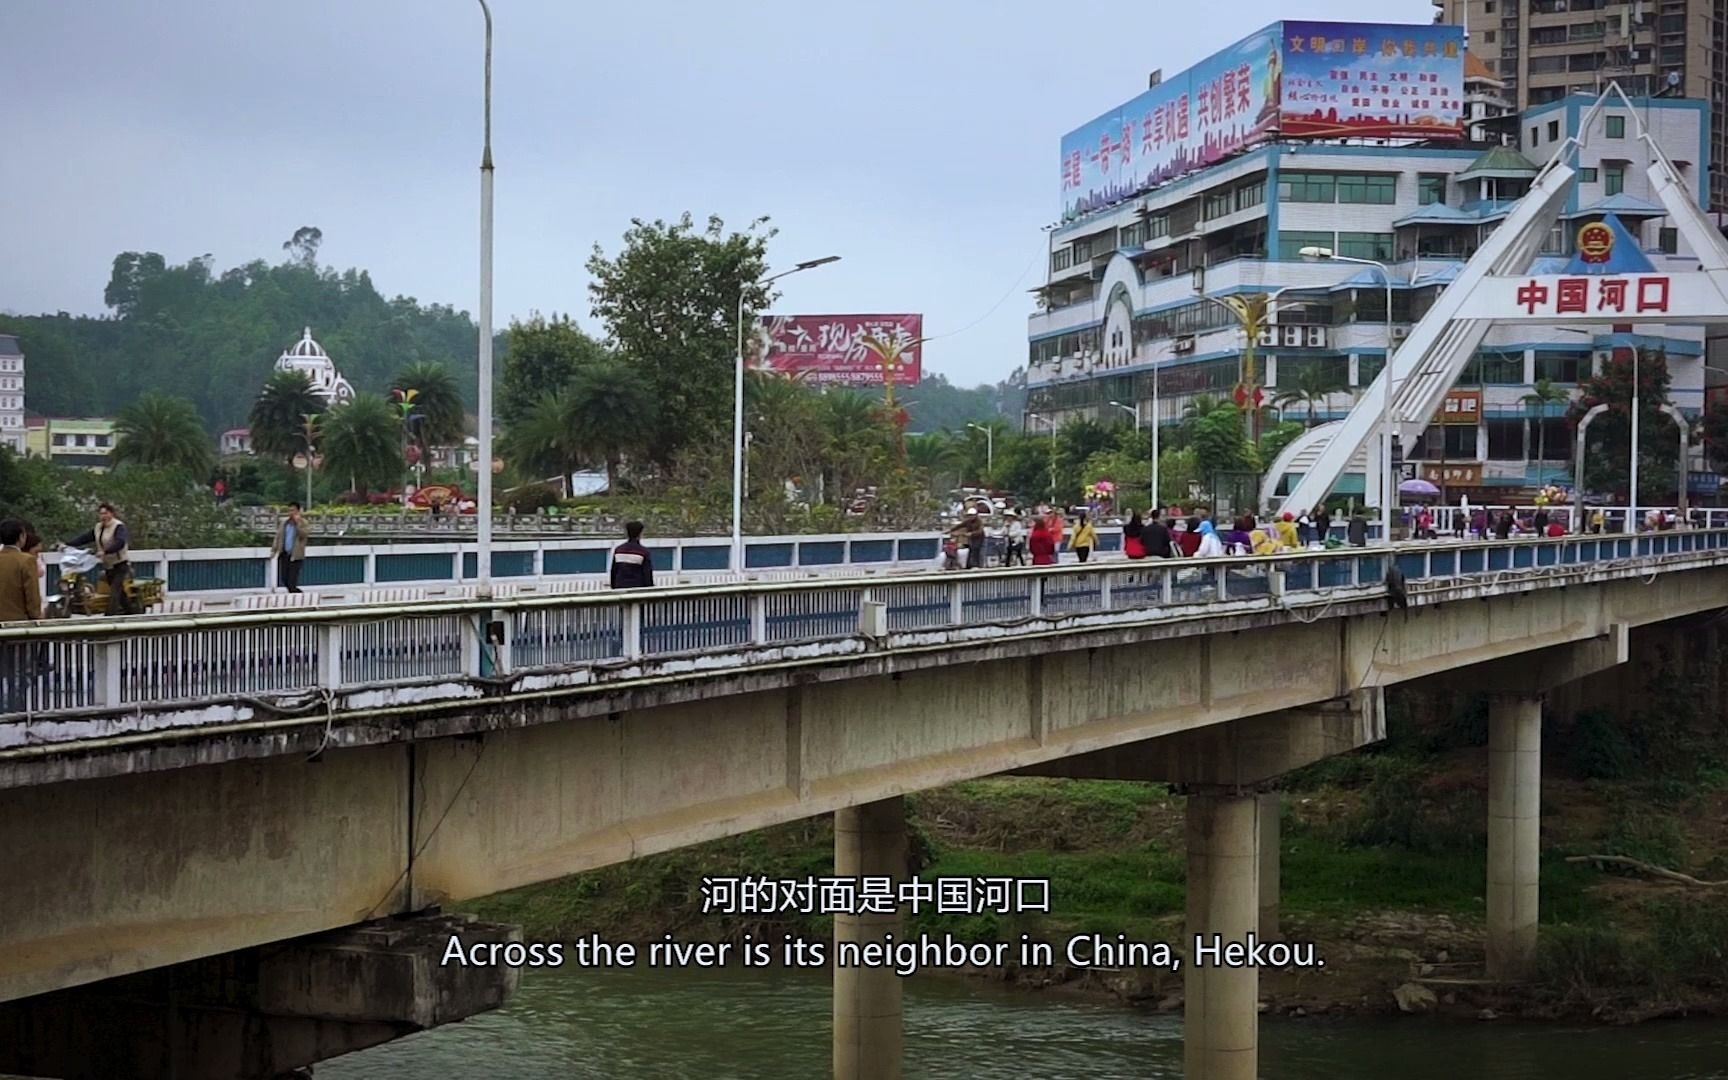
(916, 139)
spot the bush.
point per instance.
(531, 498)
(1599, 747)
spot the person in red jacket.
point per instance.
(1041, 543)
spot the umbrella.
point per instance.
(1419, 488)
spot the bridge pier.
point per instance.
(869, 841)
(1271, 807)
(262, 1013)
(1221, 1021)
(1514, 832)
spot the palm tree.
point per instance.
(930, 454)
(437, 417)
(1311, 387)
(1541, 396)
(362, 440)
(608, 412)
(279, 413)
(164, 432)
(540, 441)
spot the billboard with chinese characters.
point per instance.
(850, 350)
(1460, 407)
(1354, 80)
(1306, 79)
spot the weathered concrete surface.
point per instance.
(1221, 1019)
(258, 1013)
(139, 871)
(1514, 833)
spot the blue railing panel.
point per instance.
(920, 549)
(333, 570)
(416, 566)
(872, 551)
(767, 556)
(703, 557)
(1413, 565)
(822, 553)
(521, 563)
(574, 561)
(211, 574)
(1443, 563)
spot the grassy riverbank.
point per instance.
(1382, 864)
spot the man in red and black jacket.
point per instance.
(632, 564)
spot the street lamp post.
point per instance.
(989, 449)
(1389, 485)
(483, 547)
(1632, 485)
(738, 449)
(1136, 413)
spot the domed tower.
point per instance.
(309, 357)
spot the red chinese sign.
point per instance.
(1595, 295)
(1460, 407)
(853, 350)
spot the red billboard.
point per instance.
(850, 350)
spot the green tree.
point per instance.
(541, 442)
(1275, 438)
(609, 413)
(1610, 435)
(670, 301)
(163, 432)
(279, 412)
(1543, 394)
(436, 418)
(362, 443)
(1312, 385)
(540, 356)
(932, 457)
(1220, 441)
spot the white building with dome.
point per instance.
(309, 357)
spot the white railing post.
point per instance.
(330, 656)
(1035, 598)
(473, 627)
(758, 618)
(369, 576)
(956, 605)
(1103, 590)
(1166, 585)
(1222, 573)
(108, 657)
(630, 624)
(505, 660)
(1275, 577)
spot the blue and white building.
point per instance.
(1125, 304)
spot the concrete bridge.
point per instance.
(231, 820)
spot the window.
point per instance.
(1375, 190)
(1157, 227)
(102, 440)
(1251, 194)
(1553, 437)
(1368, 369)
(1616, 127)
(59, 440)
(1488, 7)
(1335, 370)
(1430, 188)
(1588, 31)
(1569, 368)
(1497, 369)
(1306, 187)
(1505, 439)
(1613, 179)
(1290, 244)
(1587, 176)
(1554, 135)
(1218, 204)
(1547, 35)
(1535, 135)
(1061, 259)
(1366, 245)
(1668, 240)
(1547, 65)
(1488, 36)
(1132, 236)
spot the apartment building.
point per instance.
(1130, 311)
(1545, 49)
(11, 394)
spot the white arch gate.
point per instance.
(1494, 286)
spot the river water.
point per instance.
(664, 1025)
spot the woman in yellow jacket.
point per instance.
(1262, 539)
(1085, 538)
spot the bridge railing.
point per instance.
(288, 659)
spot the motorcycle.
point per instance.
(84, 588)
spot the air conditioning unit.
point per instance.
(1292, 336)
(1315, 337)
(1399, 333)
(1268, 337)
(1183, 344)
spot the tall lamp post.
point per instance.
(483, 547)
(1136, 412)
(738, 413)
(989, 448)
(1389, 483)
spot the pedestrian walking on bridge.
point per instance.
(289, 548)
(633, 564)
(111, 540)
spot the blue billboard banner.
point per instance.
(1354, 80)
(1219, 106)
(1306, 79)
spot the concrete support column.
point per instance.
(1220, 1038)
(1271, 806)
(1514, 832)
(869, 841)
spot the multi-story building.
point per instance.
(11, 394)
(309, 358)
(235, 442)
(1545, 49)
(79, 442)
(1130, 313)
